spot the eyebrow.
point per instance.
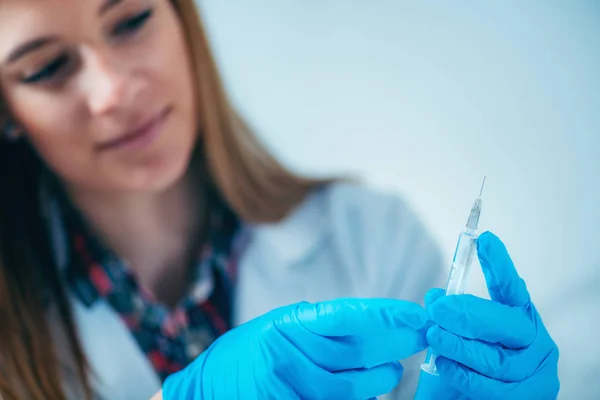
(28, 47)
(37, 44)
(108, 4)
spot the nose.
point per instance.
(110, 84)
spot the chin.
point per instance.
(160, 175)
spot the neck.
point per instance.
(155, 233)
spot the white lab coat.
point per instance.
(344, 241)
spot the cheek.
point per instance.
(49, 121)
(65, 150)
(60, 131)
(47, 115)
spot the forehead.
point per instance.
(22, 20)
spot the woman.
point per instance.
(141, 220)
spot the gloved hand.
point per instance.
(493, 349)
(340, 349)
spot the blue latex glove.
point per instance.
(493, 349)
(340, 349)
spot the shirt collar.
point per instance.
(67, 228)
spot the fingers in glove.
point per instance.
(343, 317)
(432, 295)
(478, 386)
(490, 360)
(366, 350)
(370, 382)
(503, 281)
(476, 318)
(473, 384)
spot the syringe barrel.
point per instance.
(461, 262)
(457, 279)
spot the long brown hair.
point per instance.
(255, 185)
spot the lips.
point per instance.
(139, 136)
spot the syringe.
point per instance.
(461, 263)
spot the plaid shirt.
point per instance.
(171, 339)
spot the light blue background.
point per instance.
(423, 98)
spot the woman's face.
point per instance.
(102, 89)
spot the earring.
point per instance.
(10, 131)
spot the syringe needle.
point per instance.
(482, 185)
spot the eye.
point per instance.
(132, 24)
(49, 71)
